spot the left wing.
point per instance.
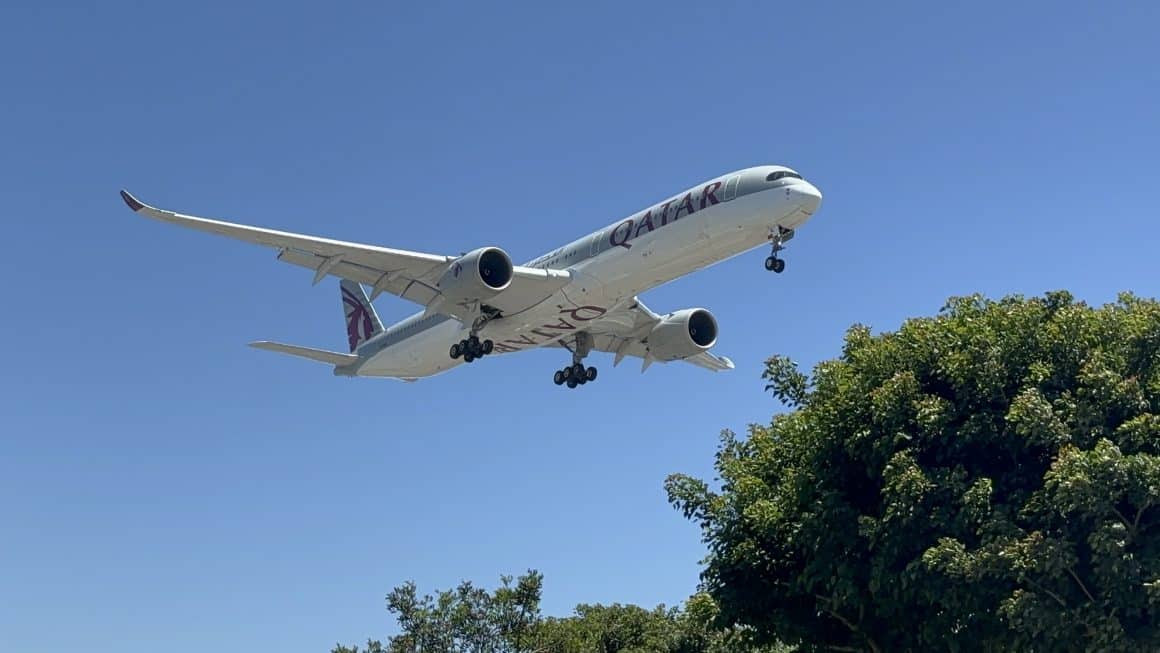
(410, 275)
(621, 331)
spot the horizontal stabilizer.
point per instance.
(320, 355)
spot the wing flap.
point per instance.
(370, 255)
(394, 282)
(410, 275)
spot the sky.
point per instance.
(164, 487)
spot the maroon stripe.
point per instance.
(132, 202)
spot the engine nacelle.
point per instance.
(476, 276)
(683, 334)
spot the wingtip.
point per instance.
(132, 202)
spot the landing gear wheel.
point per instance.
(487, 347)
(576, 374)
(770, 263)
(778, 265)
(456, 351)
(468, 357)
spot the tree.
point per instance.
(470, 620)
(611, 629)
(985, 479)
(467, 619)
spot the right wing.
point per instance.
(622, 330)
(622, 346)
(410, 275)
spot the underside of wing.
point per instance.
(624, 331)
(415, 276)
(711, 361)
(529, 286)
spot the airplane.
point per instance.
(582, 297)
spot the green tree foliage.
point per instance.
(468, 619)
(471, 620)
(613, 628)
(986, 479)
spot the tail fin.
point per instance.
(362, 323)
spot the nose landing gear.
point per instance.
(777, 237)
(576, 374)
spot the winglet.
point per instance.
(131, 201)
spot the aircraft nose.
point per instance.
(808, 196)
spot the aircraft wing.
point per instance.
(410, 275)
(622, 330)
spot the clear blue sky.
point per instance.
(163, 487)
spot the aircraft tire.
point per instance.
(778, 265)
(590, 374)
(487, 347)
(456, 351)
(559, 377)
(770, 264)
(571, 382)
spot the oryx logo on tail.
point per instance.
(362, 323)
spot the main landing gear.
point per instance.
(471, 347)
(576, 374)
(777, 236)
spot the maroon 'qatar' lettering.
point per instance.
(708, 194)
(686, 205)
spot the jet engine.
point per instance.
(683, 334)
(476, 276)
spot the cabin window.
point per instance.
(782, 174)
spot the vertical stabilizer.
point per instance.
(362, 323)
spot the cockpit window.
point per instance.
(782, 174)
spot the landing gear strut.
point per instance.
(777, 236)
(471, 347)
(576, 374)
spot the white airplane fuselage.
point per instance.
(703, 225)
